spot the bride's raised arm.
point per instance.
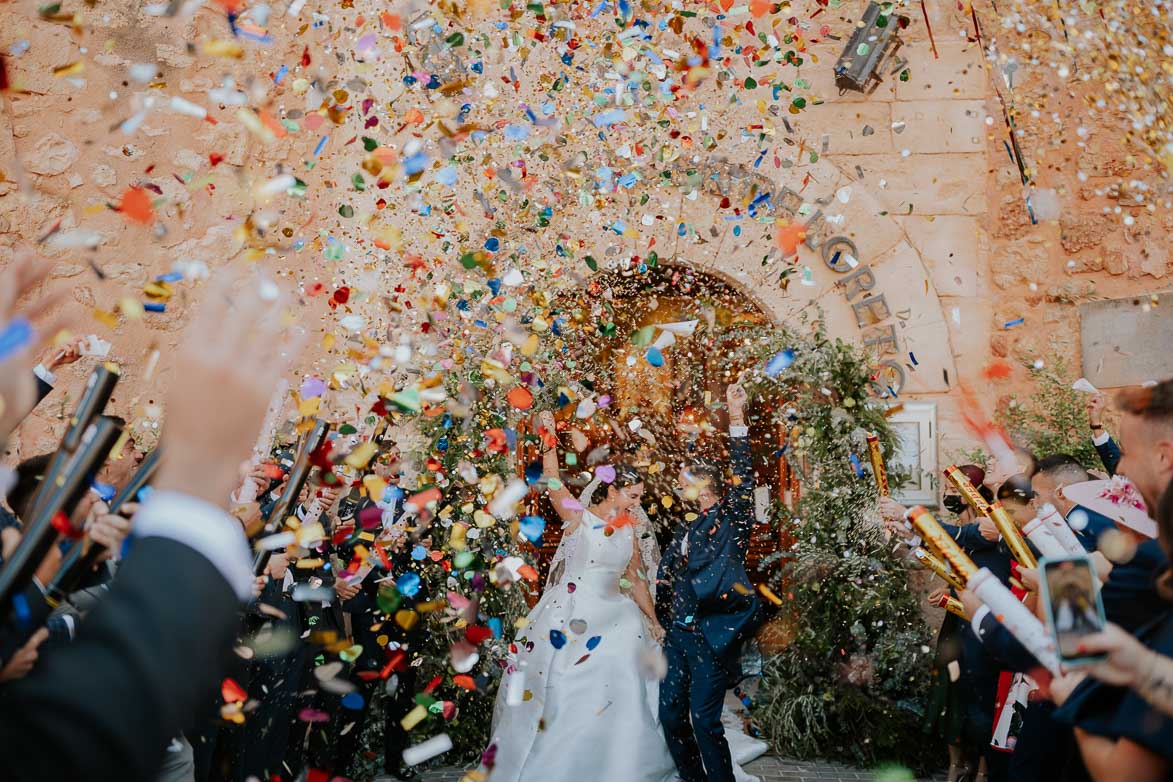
(561, 497)
(638, 580)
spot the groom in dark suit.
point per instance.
(708, 605)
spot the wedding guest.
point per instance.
(106, 706)
(1055, 473)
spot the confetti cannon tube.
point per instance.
(953, 606)
(83, 555)
(1016, 617)
(878, 469)
(930, 529)
(1012, 536)
(1047, 544)
(93, 401)
(41, 528)
(297, 478)
(1060, 529)
(971, 495)
(937, 566)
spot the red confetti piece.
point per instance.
(136, 205)
(232, 692)
(477, 635)
(520, 397)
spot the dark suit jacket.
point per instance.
(146, 661)
(43, 389)
(728, 608)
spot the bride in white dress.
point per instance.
(578, 700)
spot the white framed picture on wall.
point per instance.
(915, 426)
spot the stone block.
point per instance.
(854, 128)
(924, 184)
(1126, 341)
(935, 126)
(954, 248)
(958, 73)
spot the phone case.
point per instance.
(1045, 596)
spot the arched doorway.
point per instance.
(649, 347)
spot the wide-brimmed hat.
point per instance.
(1116, 499)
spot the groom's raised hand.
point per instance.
(736, 397)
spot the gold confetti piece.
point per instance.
(222, 48)
(361, 456)
(72, 69)
(131, 308)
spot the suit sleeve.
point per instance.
(145, 662)
(1109, 451)
(1003, 646)
(741, 499)
(968, 537)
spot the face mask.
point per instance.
(954, 503)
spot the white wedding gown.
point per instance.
(578, 701)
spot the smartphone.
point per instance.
(1070, 593)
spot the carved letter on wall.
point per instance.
(859, 281)
(882, 336)
(871, 310)
(834, 251)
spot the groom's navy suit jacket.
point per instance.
(708, 588)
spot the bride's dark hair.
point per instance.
(625, 475)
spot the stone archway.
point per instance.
(855, 262)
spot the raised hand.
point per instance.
(736, 397)
(1128, 660)
(65, 354)
(23, 329)
(231, 357)
(1095, 409)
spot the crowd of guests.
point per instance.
(181, 655)
(1108, 716)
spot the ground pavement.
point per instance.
(768, 769)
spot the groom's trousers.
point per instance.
(692, 697)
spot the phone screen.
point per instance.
(1075, 606)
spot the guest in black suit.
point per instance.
(1053, 475)
(709, 607)
(151, 654)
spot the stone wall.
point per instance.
(916, 173)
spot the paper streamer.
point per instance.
(1047, 544)
(1016, 618)
(1062, 531)
(425, 751)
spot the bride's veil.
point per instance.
(649, 549)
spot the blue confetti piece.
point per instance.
(533, 473)
(1012, 323)
(152, 306)
(104, 490)
(557, 639)
(446, 176)
(20, 605)
(353, 701)
(495, 626)
(593, 642)
(14, 336)
(170, 277)
(419, 553)
(492, 244)
(654, 357)
(855, 465)
(778, 363)
(609, 118)
(408, 584)
(321, 145)
(912, 356)
(281, 73)
(531, 528)
(516, 132)
(494, 284)
(415, 164)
